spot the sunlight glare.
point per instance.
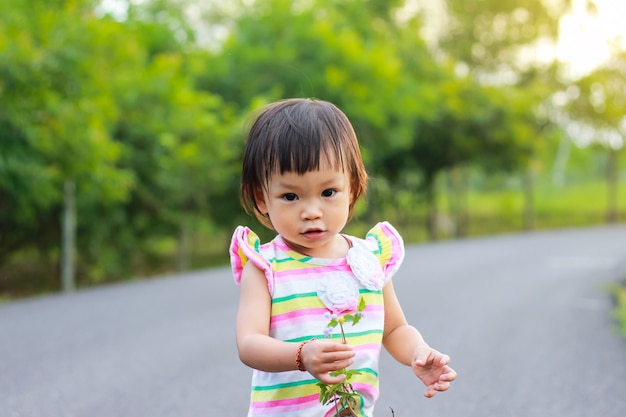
(585, 39)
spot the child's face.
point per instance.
(309, 211)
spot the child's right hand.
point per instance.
(321, 357)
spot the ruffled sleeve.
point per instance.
(388, 246)
(246, 246)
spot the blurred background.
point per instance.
(121, 122)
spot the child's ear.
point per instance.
(259, 198)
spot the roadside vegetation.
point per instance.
(121, 125)
(619, 294)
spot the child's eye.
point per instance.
(290, 197)
(328, 193)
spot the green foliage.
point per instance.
(112, 106)
(489, 35)
(144, 113)
(54, 120)
(342, 394)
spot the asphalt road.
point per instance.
(526, 319)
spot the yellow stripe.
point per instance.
(297, 303)
(354, 339)
(372, 298)
(287, 392)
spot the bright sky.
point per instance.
(584, 40)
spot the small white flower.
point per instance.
(366, 268)
(339, 294)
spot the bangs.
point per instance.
(299, 138)
(303, 147)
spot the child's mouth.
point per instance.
(313, 234)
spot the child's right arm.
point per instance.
(260, 351)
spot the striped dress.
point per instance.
(303, 291)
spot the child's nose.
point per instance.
(311, 211)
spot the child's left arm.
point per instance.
(405, 343)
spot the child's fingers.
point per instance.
(328, 346)
(441, 386)
(430, 392)
(330, 380)
(449, 376)
(434, 358)
(338, 356)
(336, 361)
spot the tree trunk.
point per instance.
(461, 218)
(182, 259)
(431, 208)
(560, 162)
(529, 199)
(611, 185)
(457, 185)
(68, 237)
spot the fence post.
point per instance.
(68, 280)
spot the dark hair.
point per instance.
(294, 135)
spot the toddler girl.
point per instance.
(302, 175)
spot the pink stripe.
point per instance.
(367, 347)
(362, 388)
(285, 279)
(313, 271)
(305, 312)
(288, 403)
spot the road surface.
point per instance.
(526, 319)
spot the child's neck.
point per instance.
(336, 249)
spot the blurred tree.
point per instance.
(498, 40)
(111, 107)
(600, 102)
(475, 125)
(174, 140)
(54, 116)
(498, 43)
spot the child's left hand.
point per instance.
(431, 366)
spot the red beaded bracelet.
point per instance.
(298, 353)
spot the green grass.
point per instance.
(582, 204)
(619, 292)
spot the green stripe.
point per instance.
(368, 371)
(335, 336)
(285, 385)
(358, 334)
(366, 291)
(293, 297)
(289, 259)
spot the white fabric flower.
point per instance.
(339, 294)
(366, 267)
